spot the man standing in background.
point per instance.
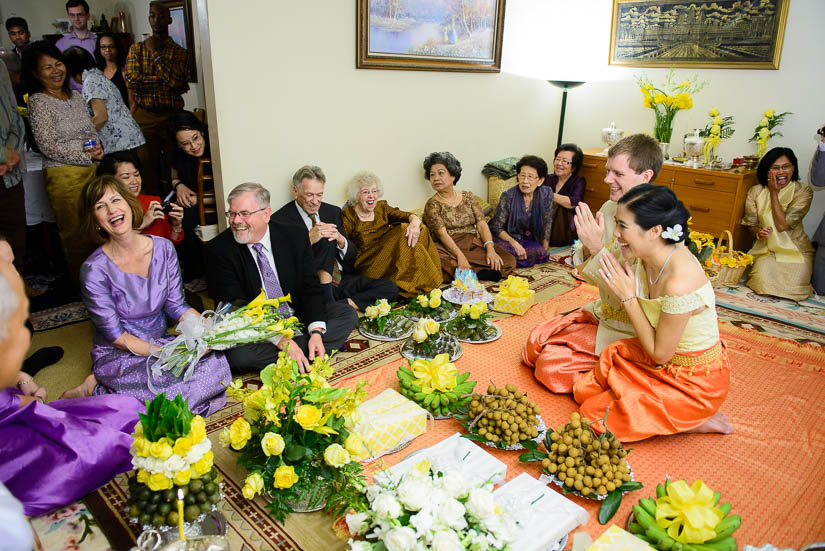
(156, 71)
(80, 35)
(19, 34)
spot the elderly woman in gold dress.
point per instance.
(392, 244)
(783, 255)
(463, 238)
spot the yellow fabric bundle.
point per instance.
(616, 539)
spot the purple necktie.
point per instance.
(271, 285)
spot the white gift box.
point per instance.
(452, 454)
(543, 516)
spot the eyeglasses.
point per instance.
(370, 191)
(776, 168)
(230, 214)
(196, 139)
(528, 177)
(565, 162)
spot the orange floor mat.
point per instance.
(772, 470)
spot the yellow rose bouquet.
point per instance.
(171, 452)
(259, 320)
(765, 130)
(471, 324)
(717, 130)
(430, 305)
(668, 99)
(295, 439)
(380, 320)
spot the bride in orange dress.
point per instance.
(674, 375)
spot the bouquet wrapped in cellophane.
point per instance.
(296, 439)
(260, 320)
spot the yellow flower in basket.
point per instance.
(197, 429)
(182, 478)
(272, 444)
(284, 477)
(371, 312)
(253, 485)
(336, 456)
(423, 301)
(183, 445)
(159, 481)
(308, 416)
(239, 432)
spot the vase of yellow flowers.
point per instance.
(296, 439)
(666, 100)
(765, 130)
(715, 132)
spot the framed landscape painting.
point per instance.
(430, 35)
(718, 34)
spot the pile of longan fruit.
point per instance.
(505, 416)
(584, 461)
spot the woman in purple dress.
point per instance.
(52, 454)
(130, 284)
(524, 215)
(568, 190)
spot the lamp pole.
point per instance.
(565, 85)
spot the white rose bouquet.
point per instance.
(430, 510)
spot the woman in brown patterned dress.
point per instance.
(457, 223)
(392, 244)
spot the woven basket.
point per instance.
(725, 275)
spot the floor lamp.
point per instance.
(565, 85)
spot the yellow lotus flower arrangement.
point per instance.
(170, 451)
(430, 305)
(765, 130)
(294, 438)
(715, 132)
(668, 99)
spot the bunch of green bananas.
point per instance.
(645, 527)
(440, 404)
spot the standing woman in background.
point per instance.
(568, 190)
(110, 59)
(62, 127)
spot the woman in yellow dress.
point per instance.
(674, 375)
(782, 256)
(392, 244)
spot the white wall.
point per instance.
(287, 93)
(40, 14)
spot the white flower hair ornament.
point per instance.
(673, 234)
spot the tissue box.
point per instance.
(616, 539)
(453, 453)
(514, 305)
(543, 516)
(388, 420)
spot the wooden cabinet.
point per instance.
(715, 198)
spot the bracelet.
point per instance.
(627, 299)
(487, 243)
(176, 184)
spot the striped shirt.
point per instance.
(12, 130)
(158, 78)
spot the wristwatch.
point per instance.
(317, 331)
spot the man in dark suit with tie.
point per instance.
(256, 253)
(332, 251)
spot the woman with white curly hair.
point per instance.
(392, 243)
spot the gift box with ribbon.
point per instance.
(389, 420)
(514, 296)
(543, 516)
(616, 539)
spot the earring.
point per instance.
(97, 228)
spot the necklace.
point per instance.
(653, 282)
(456, 198)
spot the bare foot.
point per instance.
(86, 388)
(352, 303)
(718, 423)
